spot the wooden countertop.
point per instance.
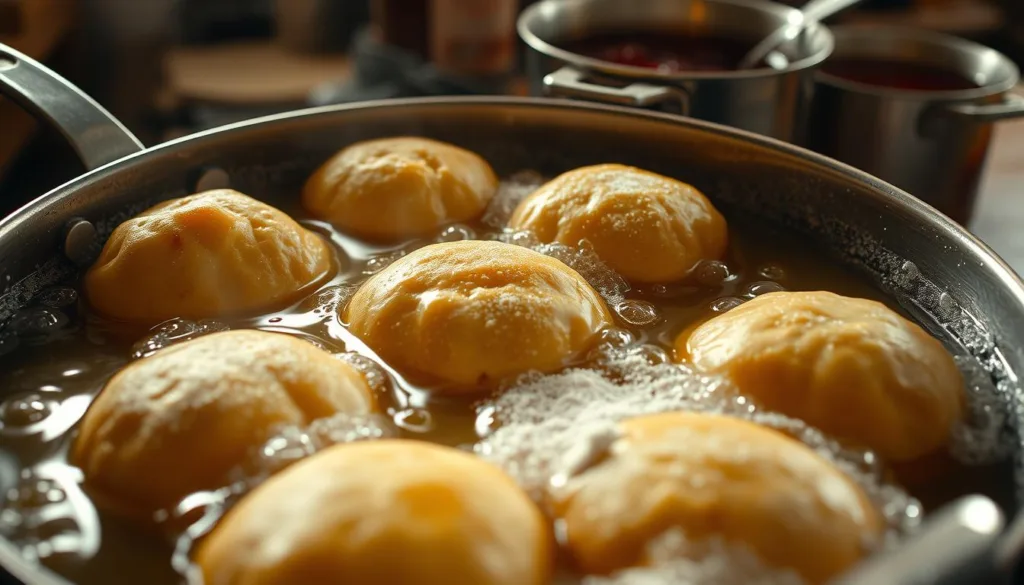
(999, 217)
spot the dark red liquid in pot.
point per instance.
(668, 53)
(898, 74)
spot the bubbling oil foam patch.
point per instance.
(542, 429)
(677, 560)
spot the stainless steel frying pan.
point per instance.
(953, 283)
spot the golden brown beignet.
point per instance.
(395, 188)
(646, 227)
(470, 313)
(210, 254)
(851, 367)
(391, 511)
(715, 476)
(180, 420)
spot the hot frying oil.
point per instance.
(49, 381)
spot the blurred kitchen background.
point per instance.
(172, 67)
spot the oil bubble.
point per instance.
(653, 354)
(333, 299)
(375, 376)
(415, 420)
(174, 331)
(38, 321)
(25, 410)
(35, 493)
(523, 239)
(604, 280)
(772, 272)
(724, 304)
(58, 297)
(907, 274)
(711, 273)
(763, 287)
(615, 338)
(510, 193)
(455, 233)
(637, 313)
(486, 421)
(947, 306)
(378, 263)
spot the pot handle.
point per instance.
(955, 545)
(570, 82)
(96, 136)
(1012, 106)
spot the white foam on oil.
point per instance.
(174, 331)
(550, 427)
(607, 282)
(455, 233)
(677, 560)
(985, 436)
(510, 193)
(382, 261)
(990, 432)
(333, 299)
(376, 378)
(293, 443)
(580, 258)
(637, 313)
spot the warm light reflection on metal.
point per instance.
(698, 13)
(982, 516)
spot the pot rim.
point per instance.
(53, 201)
(912, 204)
(924, 37)
(629, 71)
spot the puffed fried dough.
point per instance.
(391, 511)
(851, 367)
(212, 254)
(647, 227)
(182, 419)
(395, 188)
(713, 476)
(467, 314)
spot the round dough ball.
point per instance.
(851, 367)
(182, 419)
(210, 254)
(395, 188)
(646, 227)
(391, 511)
(469, 313)
(715, 477)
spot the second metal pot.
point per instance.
(932, 143)
(767, 101)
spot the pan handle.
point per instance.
(571, 82)
(956, 545)
(97, 137)
(1012, 106)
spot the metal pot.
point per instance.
(930, 143)
(768, 101)
(958, 288)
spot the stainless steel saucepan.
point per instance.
(957, 287)
(765, 100)
(930, 142)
